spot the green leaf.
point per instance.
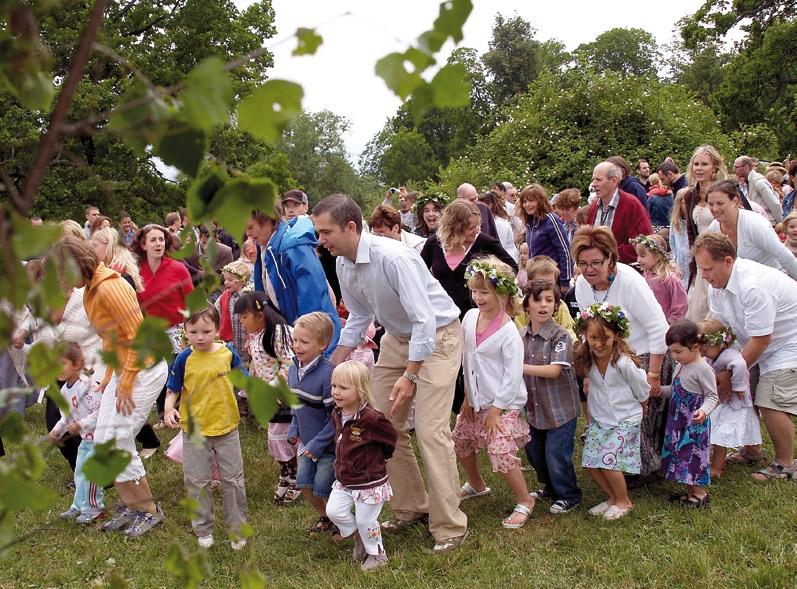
(31, 86)
(252, 578)
(188, 244)
(202, 191)
(308, 41)
(140, 118)
(29, 460)
(17, 494)
(106, 463)
(151, 342)
(234, 202)
(189, 568)
(56, 397)
(392, 70)
(451, 86)
(197, 299)
(452, 17)
(48, 295)
(44, 363)
(183, 147)
(264, 398)
(30, 241)
(12, 428)
(269, 109)
(208, 95)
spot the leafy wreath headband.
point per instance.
(611, 314)
(721, 337)
(651, 244)
(441, 200)
(503, 282)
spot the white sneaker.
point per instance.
(238, 544)
(205, 541)
(599, 509)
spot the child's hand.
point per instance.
(466, 411)
(54, 437)
(293, 441)
(171, 417)
(73, 428)
(698, 417)
(493, 422)
(309, 454)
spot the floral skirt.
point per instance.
(502, 450)
(278, 445)
(613, 448)
(372, 496)
(685, 455)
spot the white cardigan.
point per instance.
(757, 241)
(631, 291)
(493, 371)
(506, 236)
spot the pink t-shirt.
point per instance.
(494, 326)
(454, 260)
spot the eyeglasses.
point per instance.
(594, 265)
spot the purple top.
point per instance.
(671, 295)
(731, 359)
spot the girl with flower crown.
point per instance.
(734, 423)
(663, 277)
(618, 388)
(494, 389)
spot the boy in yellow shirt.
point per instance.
(545, 268)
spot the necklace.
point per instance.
(605, 294)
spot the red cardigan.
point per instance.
(630, 220)
(165, 291)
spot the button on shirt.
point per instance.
(606, 216)
(552, 402)
(759, 300)
(389, 281)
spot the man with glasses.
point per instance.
(619, 211)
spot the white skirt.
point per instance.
(733, 428)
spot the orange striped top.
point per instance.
(113, 310)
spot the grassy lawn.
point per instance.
(747, 538)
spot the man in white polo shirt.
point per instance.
(419, 358)
(759, 304)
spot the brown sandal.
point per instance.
(744, 457)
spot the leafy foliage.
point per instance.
(106, 463)
(715, 18)
(628, 52)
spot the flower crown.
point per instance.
(651, 244)
(503, 282)
(721, 337)
(611, 314)
(437, 198)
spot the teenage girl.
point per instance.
(662, 275)
(494, 389)
(685, 454)
(618, 387)
(269, 344)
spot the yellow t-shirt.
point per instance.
(562, 317)
(201, 380)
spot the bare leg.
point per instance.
(781, 430)
(717, 461)
(518, 485)
(137, 496)
(598, 476)
(616, 481)
(471, 468)
(318, 503)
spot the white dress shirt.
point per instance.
(759, 300)
(414, 241)
(630, 290)
(757, 241)
(389, 281)
(506, 236)
(616, 396)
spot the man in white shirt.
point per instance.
(759, 304)
(420, 356)
(759, 190)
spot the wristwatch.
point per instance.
(410, 376)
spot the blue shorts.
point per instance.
(316, 475)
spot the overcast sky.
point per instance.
(340, 76)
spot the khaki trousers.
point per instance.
(433, 398)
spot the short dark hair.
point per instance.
(385, 216)
(172, 218)
(342, 209)
(640, 161)
(684, 333)
(208, 312)
(533, 290)
(668, 167)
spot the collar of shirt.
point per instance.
(302, 370)
(546, 332)
(363, 255)
(733, 280)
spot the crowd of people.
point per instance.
(662, 309)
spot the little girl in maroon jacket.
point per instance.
(364, 440)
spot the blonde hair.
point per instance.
(72, 228)
(117, 256)
(677, 217)
(514, 304)
(454, 221)
(356, 373)
(319, 324)
(542, 265)
(720, 169)
(709, 326)
(664, 266)
(789, 218)
(654, 180)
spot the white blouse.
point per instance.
(616, 396)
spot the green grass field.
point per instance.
(746, 539)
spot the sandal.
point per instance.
(322, 526)
(293, 494)
(449, 543)
(695, 502)
(615, 512)
(744, 457)
(397, 524)
(467, 491)
(777, 472)
(521, 509)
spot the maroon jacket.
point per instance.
(362, 448)
(630, 220)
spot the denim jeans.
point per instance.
(550, 452)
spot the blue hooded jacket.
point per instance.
(296, 274)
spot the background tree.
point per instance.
(628, 52)
(513, 59)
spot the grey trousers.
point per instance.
(197, 467)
